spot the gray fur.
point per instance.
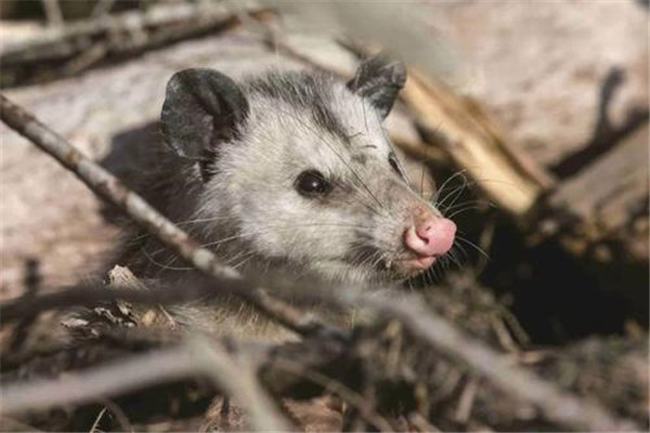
(247, 210)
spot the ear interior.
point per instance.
(379, 80)
(202, 109)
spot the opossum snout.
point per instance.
(430, 235)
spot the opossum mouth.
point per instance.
(395, 266)
(409, 267)
(420, 263)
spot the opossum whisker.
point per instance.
(271, 228)
(426, 277)
(472, 244)
(368, 263)
(357, 252)
(455, 193)
(463, 209)
(245, 259)
(422, 181)
(453, 258)
(409, 182)
(462, 251)
(365, 118)
(205, 220)
(165, 266)
(477, 181)
(440, 269)
(186, 223)
(445, 262)
(380, 258)
(458, 261)
(436, 195)
(292, 226)
(238, 255)
(464, 203)
(431, 276)
(362, 259)
(363, 202)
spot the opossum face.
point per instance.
(304, 175)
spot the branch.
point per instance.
(78, 46)
(112, 190)
(92, 295)
(196, 356)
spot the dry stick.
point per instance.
(113, 378)
(91, 295)
(195, 357)
(82, 45)
(237, 377)
(111, 189)
(61, 43)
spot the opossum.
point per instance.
(288, 173)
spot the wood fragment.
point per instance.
(473, 145)
(604, 197)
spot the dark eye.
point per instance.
(312, 183)
(392, 160)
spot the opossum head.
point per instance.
(297, 171)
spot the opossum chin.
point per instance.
(344, 274)
(413, 267)
(382, 272)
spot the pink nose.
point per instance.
(430, 236)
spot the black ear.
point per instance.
(379, 80)
(202, 108)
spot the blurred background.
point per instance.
(530, 117)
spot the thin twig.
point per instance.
(93, 428)
(237, 377)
